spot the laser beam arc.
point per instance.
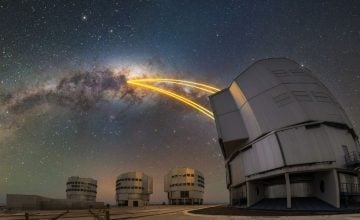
(183, 84)
(180, 98)
(201, 86)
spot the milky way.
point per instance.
(80, 91)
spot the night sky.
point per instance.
(65, 107)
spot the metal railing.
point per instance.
(350, 188)
(352, 158)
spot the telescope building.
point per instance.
(286, 140)
(82, 189)
(133, 189)
(184, 186)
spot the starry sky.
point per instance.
(65, 107)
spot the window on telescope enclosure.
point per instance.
(184, 194)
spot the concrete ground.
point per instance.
(155, 213)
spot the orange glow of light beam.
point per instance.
(180, 98)
(178, 83)
(201, 86)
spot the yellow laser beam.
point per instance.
(187, 101)
(183, 82)
(173, 93)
